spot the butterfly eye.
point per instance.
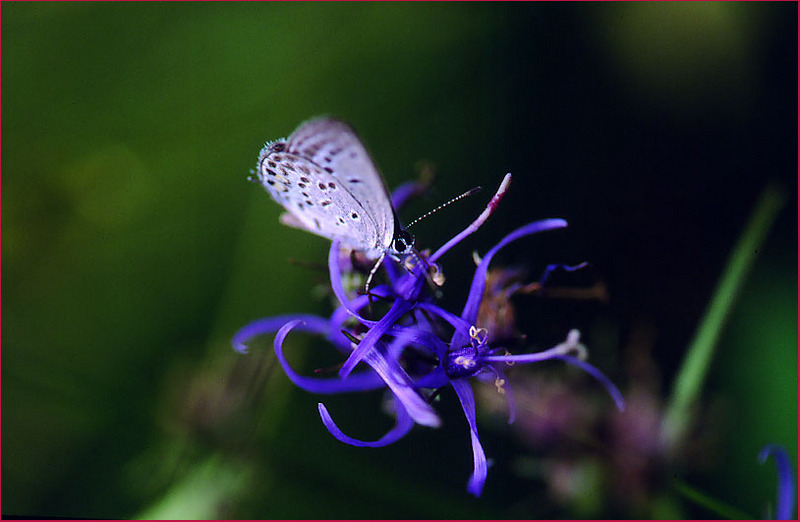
(403, 242)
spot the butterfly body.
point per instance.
(325, 179)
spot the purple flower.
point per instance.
(786, 488)
(418, 347)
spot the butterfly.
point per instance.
(325, 179)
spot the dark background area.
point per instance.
(134, 247)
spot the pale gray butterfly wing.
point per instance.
(323, 176)
(335, 146)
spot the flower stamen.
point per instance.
(465, 362)
(478, 335)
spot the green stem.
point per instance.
(695, 366)
(713, 505)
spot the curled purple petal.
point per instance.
(336, 282)
(406, 191)
(401, 386)
(421, 337)
(612, 390)
(786, 488)
(549, 269)
(435, 379)
(480, 467)
(570, 345)
(398, 309)
(356, 383)
(412, 334)
(273, 324)
(480, 220)
(403, 425)
(341, 314)
(524, 358)
(393, 270)
(479, 280)
(454, 320)
(409, 286)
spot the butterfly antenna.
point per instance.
(440, 207)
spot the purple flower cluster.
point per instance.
(417, 347)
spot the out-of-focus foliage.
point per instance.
(133, 246)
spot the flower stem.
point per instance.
(695, 366)
(715, 506)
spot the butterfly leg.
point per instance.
(372, 273)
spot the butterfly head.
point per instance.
(403, 242)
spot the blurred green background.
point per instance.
(134, 247)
